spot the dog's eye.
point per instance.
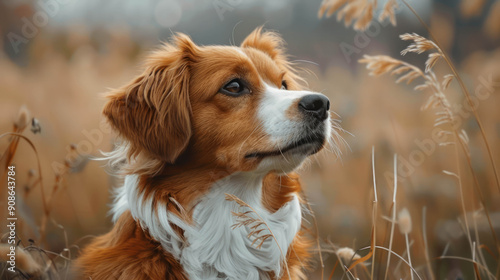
(235, 87)
(284, 85)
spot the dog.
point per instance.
(211, 136)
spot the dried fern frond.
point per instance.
(358, 11)
(420, 44)
(257, 226)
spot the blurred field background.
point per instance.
(61, 73)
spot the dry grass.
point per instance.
(359, 12)
(259, 229)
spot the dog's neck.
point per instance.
(210, 248)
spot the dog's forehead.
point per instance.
(265, 65)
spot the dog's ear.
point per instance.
(268, 42)
(153, 112)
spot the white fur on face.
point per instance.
(272, 113)
(212, 249)
(282, 130)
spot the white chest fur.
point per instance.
(213, 249)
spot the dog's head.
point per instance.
(240, 108)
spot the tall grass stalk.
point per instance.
(374, 213)
(464, 90)
(46, 211)
(393, 219)
(426, 244)
(316, 230)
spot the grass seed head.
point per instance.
(389, 11)
(347, 255)
(420, 44)
(404, 221)
(23, 119)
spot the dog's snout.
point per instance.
(316, 105)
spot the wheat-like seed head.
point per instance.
(389, 12)
(447, 80)
(420, 44)
(433, 58)
(382, 64)
(404, 221)
(347, 255)
(23, 119)
(358, 11)
(365, 18)
(330, 7)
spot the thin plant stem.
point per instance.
(393, 213)
(42, 189)
(374, 213)
(468, 260)
(317, 234)
(393, 253)
(465, 91)
(426, 244)
(409, 256)
(480, 194)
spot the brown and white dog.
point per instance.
(199, 123)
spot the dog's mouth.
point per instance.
(314, 140)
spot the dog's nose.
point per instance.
(316, 105)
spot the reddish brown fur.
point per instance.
(183, 136)
(127, 252)
(275, 193)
